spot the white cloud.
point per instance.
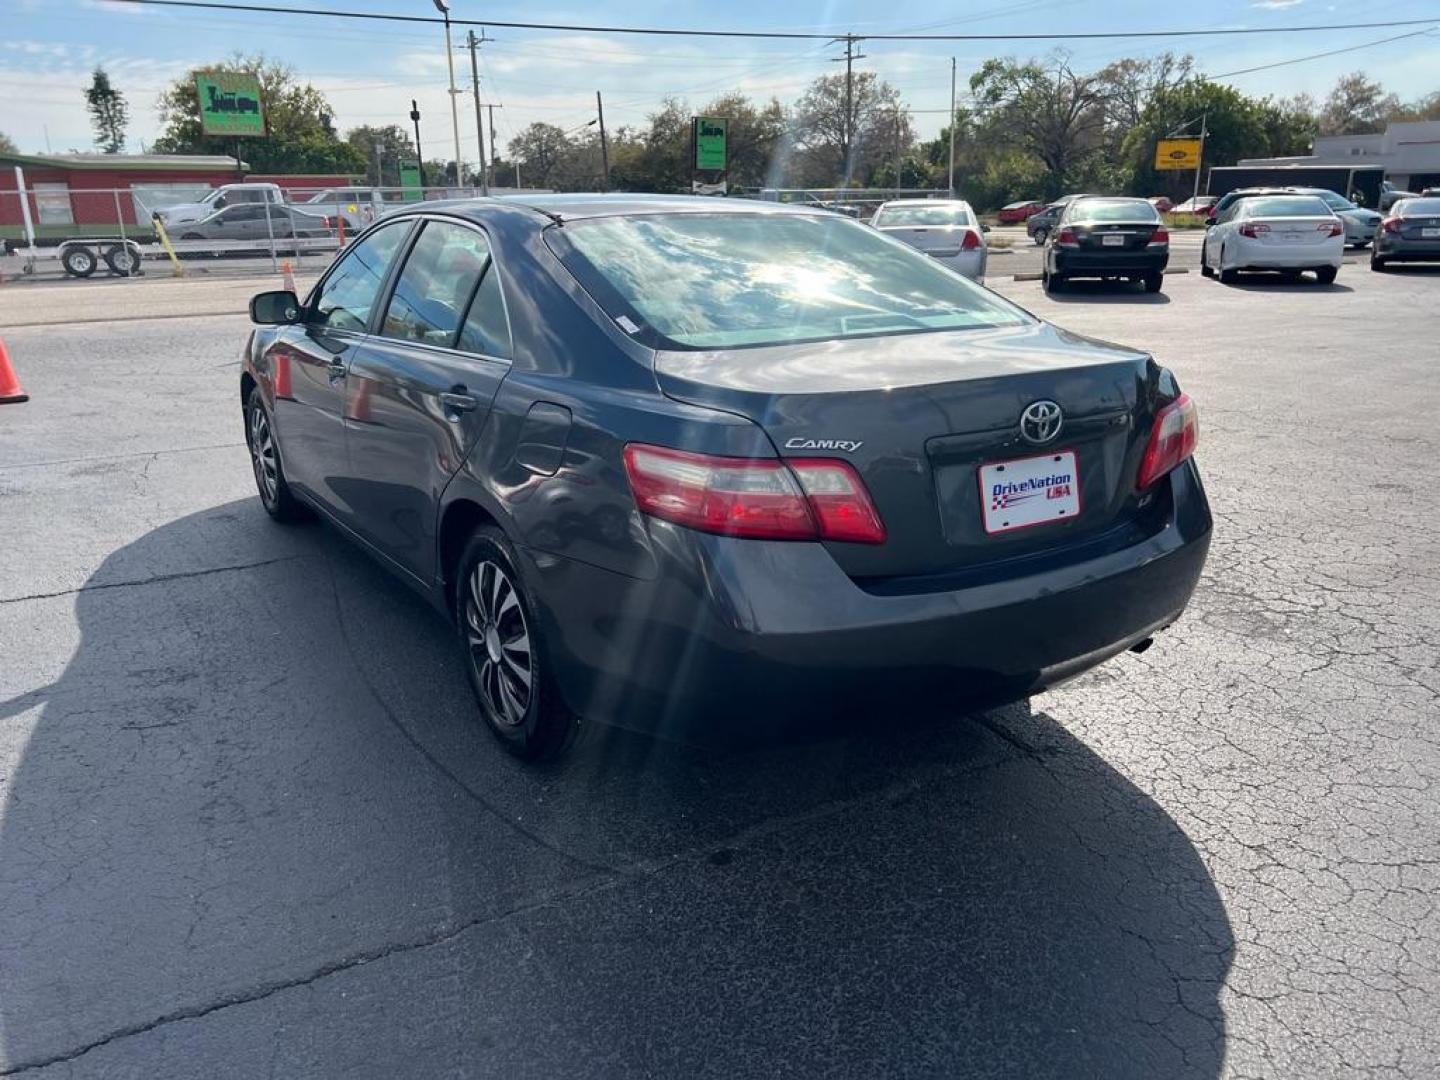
(1276, 5)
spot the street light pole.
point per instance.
(443, 6)
(419, 149)
(952, 127)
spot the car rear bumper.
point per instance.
(1259, 255)
(969, 263)
(1080, 263)
(739, 631)
(1401, 249)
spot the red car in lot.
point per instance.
(1015, 212)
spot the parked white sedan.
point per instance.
(1285, 233)
(944, 229)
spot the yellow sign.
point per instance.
(1177, 154)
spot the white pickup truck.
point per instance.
(227, 195)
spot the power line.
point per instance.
(1317, 56)
(776, 34)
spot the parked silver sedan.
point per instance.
(945, 229)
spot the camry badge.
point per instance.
(848, 445)
(1040, 422)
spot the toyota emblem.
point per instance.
(1040, 422)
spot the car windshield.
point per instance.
(944, 214)
(1113, 210)
(724, 280)
(1418, 207)
(1280, 206)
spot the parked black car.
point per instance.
(1111, 238)
(1039, 226)
(664, 459)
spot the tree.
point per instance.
(299, 129)
(833, 142)
(1047, 109)
(539, 149)
(754, 137)
(1236, 127)
(1290, 125)
(1357, 106)
(7, 144)
(109, 114)
(396, 145)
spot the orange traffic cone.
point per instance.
(10, 392)
(289, 278)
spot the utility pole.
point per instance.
(419, 150)
(953, 125)
(474, 44)
(1199, 162)
(379, 164)
(847, 125)
(494, 146)
(444, 8)
(604, 145)
(897, 152)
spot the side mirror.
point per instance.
(984, 228)
(279, 308)
(1209, 223)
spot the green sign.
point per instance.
(410, 181)
(230, 104)
(709, 133)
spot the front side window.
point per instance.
(437, 284)
(348, 294)
(700, 280)
(922, 216)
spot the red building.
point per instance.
(85, 194)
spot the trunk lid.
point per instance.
(917, 415)
(1113, 236)
(1420, 228)
(1292, 230)
(942, 241)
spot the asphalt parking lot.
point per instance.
(248, 825)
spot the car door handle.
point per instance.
(458, 403)
(336, 368)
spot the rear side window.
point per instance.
(1281, 206)
(441, 293)
(1418, 207)
(348, 294)
(1113, 210)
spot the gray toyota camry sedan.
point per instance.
(668, 461)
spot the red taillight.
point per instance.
(1331, 228)
(763, 499)
(971, 241)
(1390, 225)
(1252, 230)
(1159, 237)
(1066, 238)
(1172, 440)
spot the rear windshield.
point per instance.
(1287, 206)
(923, 215)
(704, 281)
(1418, 207)
(1113, 210)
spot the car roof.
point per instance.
(580, 206)
(923, 202)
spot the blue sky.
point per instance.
(370, 71)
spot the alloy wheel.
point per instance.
(499, 642)
(262, 456)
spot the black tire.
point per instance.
(122, 260)
(1378, 264)
(1041, 235)
(79, 261)
(1326, 275)
(1154, 282)
(275, 494)
(496, 618)
(1205, 270)
(1226, 277)
(1054, 283)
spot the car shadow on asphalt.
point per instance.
(1276, 283)
(256, 828)
(1110, 292)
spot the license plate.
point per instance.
(1029, 491)
(1430, 234)
(1112, 241)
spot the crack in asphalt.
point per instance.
(121, 457)
(157, 579)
